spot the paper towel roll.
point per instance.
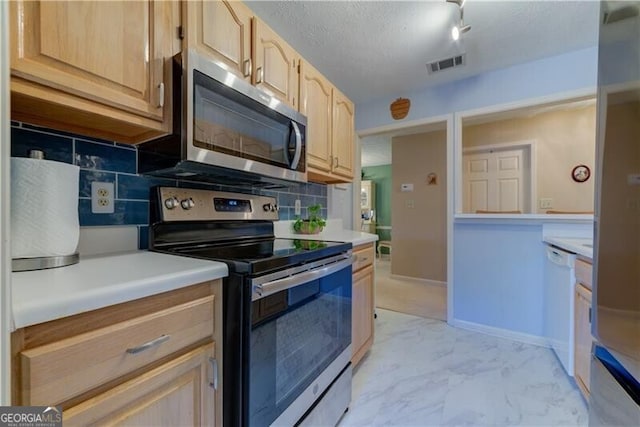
(44, 208)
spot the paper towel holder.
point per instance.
(41, 263)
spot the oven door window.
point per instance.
(295, 335)
(229, 122)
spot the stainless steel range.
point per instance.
(286, 304)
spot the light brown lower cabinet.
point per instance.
(177, 393)
(362, 323)
(582, 325)
(152, 361)
(583, 340)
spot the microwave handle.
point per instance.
(298, 152)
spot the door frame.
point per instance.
(448, 121)
(530, 148)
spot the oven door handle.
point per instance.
(269, 288)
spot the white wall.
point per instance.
(5, 258)
(499, 268)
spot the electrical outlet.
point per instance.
(297, 208)
(102, 197)
(546, 203)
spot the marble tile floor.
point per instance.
(423, 372)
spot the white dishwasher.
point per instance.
(559, 283)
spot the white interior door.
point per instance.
(496, 180)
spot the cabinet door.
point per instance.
(107, 52)
(583, 338)
(179, 392)
(343, 135)
(275, 64)
(363, 310)
(221, 30)
(315, 103)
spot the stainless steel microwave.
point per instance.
(226, 131)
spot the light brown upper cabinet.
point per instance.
(316, 103)
(343, 132)
(275, 64)
(221, 30)
(330, 128)
(95, 68)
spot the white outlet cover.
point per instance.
(297, 207)
(102, 204)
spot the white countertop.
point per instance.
(572, 244)
(101, 281)
(332, 232)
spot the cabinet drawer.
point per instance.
(55, 372)
(584, 273)
(364, 256)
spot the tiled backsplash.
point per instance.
(106, 161)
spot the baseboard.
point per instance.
(501, 333)
(419, 280)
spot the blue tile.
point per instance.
(89, 176)
(90, 155)
(285, 214)
(63, 133)
(126, 213)
(307, 200)
(55, 147)
(143, 237)
(323, 212)
(286, 199)
(317, 189)
(137, 186)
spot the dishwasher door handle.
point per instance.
(559, 257)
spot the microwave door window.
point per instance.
(226, 125)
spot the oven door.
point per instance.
(300, 342)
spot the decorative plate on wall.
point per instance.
(400, 108)
(581, 173)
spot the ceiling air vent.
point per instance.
(443, 64)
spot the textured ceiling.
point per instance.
(378, 49)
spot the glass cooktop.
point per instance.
(259, 256)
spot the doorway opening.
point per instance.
(407, 166)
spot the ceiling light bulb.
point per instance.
(455, 32)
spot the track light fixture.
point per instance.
(460, 28)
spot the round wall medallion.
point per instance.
(581, 173)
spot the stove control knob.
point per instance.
(267, 207)
(187, 203)
(171, 203)
(274, 208)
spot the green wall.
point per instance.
(381, 175)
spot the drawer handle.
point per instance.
(364, 259)
(146, 346)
